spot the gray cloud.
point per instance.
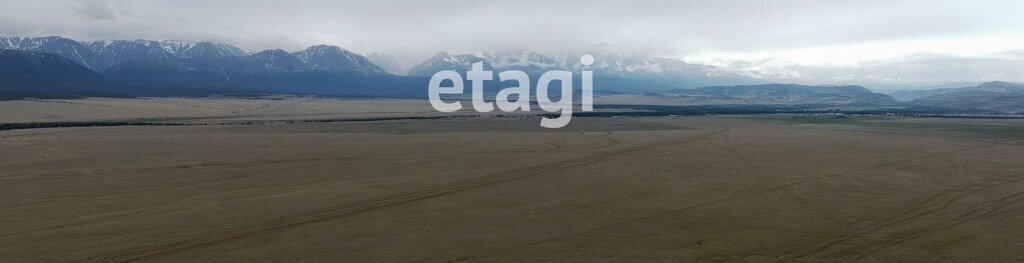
(94, 9)
(915, 70)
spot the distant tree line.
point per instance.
(62, 124)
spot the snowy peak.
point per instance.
(322, 50)
(521, 60)
(200, 50)
(119, 51)
(67, 48)
(444, 61)
(103, 54)
(644, 65)
(335, 59)
(115, 52)
(273, 54)
(277, 60)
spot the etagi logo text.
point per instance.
(477, 76)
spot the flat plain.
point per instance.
(500, 189)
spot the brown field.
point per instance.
(206, 108)
(489, 189)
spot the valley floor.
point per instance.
(486, 189)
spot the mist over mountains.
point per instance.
(331, 70)
(56, 67)
(651, 73)
(386, 62)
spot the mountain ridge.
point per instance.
(102, 54)
(147, 67)
(796, 94)
(995, 96)
(46, 75)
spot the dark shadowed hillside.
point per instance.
(1001, 97)
(45, 75)
(319, 70)
(799, 94)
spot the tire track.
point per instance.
(758, 172)
(982, 211)
(726, 198)
(372, 204)
(903, 218)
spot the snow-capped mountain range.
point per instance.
(61, 67)
(105, 54)
(67, 48)
(625, 72)
(332, 58)
(189, 49)
(672, 72)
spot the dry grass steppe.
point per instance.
(489, 189)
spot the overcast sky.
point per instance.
(815, 42)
